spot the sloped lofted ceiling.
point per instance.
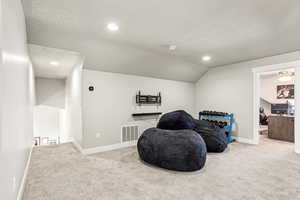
(229, 31)
(53, 63)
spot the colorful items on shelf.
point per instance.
(221, 119)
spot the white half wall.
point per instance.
(17, 100)
(112, 102)
(49, 122)
(229, 88)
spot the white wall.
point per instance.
(112, 102)
(74, 104)
(48, 122)
(229, 88)
(51, 92)
(268, 90)
(17, 99)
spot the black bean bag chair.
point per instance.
(176, 120)
(180, 150)
(213, 136)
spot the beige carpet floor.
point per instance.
(269, 171)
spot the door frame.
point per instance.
(256, 94)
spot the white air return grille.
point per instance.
(130, 133)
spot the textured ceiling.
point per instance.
(43, 56)
(230, 31)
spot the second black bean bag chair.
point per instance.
(213, 136)
(180, 150)
(176, 120)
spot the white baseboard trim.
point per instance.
(107, 148)
(245, 140)
(297, 150)
(22, 185)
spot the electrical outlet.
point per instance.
(98, 135)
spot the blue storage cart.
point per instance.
(224, 117)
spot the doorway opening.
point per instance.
(58, 80)
(49, 111)
(279, 113)
(277, 105)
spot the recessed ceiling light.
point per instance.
(206, 58)
(172, 47)
(112, 27)
(54, 63)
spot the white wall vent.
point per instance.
(129, 133)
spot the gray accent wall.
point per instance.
(110, 105)
(229, 88)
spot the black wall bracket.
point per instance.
(148, 99)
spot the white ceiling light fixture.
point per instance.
(172, 47)
(206, 58)
(112, 26)
(54, 63)
(285, 76)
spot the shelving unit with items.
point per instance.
(221, 119)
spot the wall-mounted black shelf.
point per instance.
(148, 99)
(146, 114)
